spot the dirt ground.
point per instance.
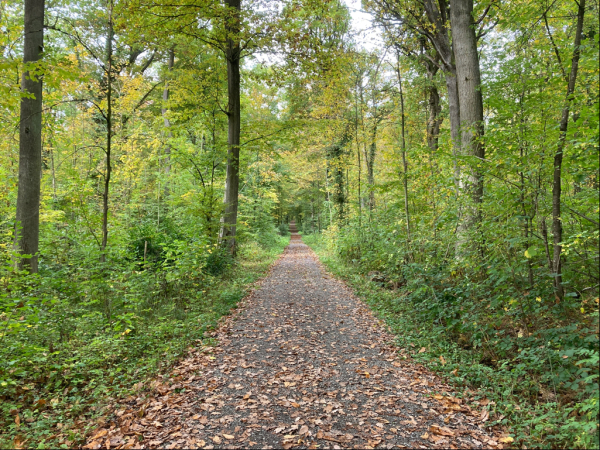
(302, 363)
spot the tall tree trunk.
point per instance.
(105, 194)
(229, 219)
(165, 98)
(27, 228)
(557, 229)
(437, 14)
(403, 150)
(434, 121)
(370, 160)
(468, 77)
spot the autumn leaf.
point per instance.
(99, 434)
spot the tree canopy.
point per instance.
(150, 148)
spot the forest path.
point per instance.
(302, 364)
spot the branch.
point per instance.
(560, 63)
(263, 136)
(581, 215)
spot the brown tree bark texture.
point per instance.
(107, 175)
(30, 142)
(232, 181)
(557, 229)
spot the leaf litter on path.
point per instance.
(302, 364)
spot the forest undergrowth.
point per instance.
(78, 338)
(540, 380)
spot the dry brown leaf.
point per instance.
(216, 439)
(485, 415)
(303, 430)
(228, 436)
(99, 434)
(423, 349)
(444, 431)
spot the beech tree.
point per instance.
(30, 139)
(468, 76)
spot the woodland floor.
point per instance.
(301, 364)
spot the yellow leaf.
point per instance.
(507, 440)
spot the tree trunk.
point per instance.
(403, 150)
(105, 194)
(558, 158)
(468, 77)
(229, 219)
(165, 98)
(434, 122)
(438, 17)
(370, 160)
(27, 227)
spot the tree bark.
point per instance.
(403, 150)
(30, 141)
(468, 76)
(437, 14)
(434, 120)
(165, 98)
(105, 194)
(229, 219)
(557, 229)
(370, 162)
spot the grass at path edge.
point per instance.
(110, 368)
(542, 425)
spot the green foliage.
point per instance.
(74, 340)
(541, 373)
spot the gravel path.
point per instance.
(302, 364)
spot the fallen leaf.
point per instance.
(485, 415)
(507, 440)
(303, 430)
(99, 434)
(216, 439)
(423, 349)
(442, 360)
(444, 431)
(228, 436)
